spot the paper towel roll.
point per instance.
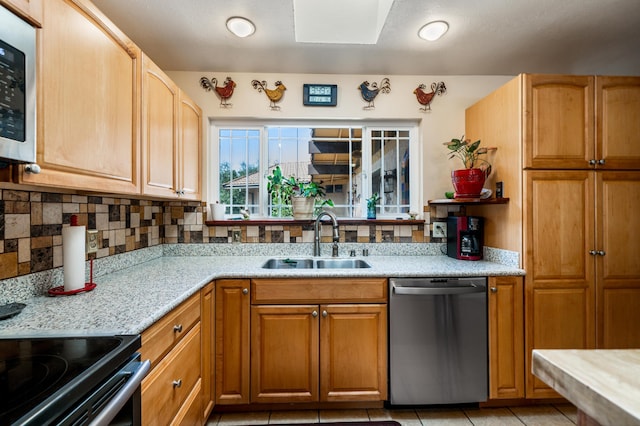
(73, 253)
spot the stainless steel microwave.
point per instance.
(17, 89)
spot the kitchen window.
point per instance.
(352, 161)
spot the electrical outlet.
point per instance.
(92, 240)
(237, 236)
(439, 230)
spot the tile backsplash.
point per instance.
(31, 225)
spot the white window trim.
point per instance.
(415, 146)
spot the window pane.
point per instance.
(390, 170)
(239, 169)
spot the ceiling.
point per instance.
(488, 37)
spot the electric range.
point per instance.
(45, 380)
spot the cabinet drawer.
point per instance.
(161, 397)
(158, 339)
(319, 290)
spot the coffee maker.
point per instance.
(464, 237)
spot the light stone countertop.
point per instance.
(604, 384)
(131, 299)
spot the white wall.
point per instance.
(443, 122)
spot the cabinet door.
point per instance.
(559, 285)
(618, 273)
(618, 122)
(159, 132)
(284, 353)
(208, 366)
(506, 337)
(353, 352)
(232, 341)
(88, 130)
(190, 128)
(31, 10)
(558, 121)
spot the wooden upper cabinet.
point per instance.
(618, 122)
(30, 10)
(171, 137)
(558, 121)
(88, 110)
(159, 131)
(190, 148)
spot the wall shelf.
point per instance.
(467, 201)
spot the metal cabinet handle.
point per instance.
(324, 314)
(314, 314)
(177, 328)
(245, 291)
(601, 161)
(601, 253)
(494, 289)
(593, 252)
(592, 162)
(177, 383)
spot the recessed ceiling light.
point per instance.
(241, 27)
(433, 30)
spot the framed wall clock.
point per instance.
(320, 94)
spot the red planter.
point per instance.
(468, 182)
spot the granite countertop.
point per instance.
(603, 384)
(131, 299)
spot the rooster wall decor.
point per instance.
(369, 92)
(224, 92)
(274, 95)
(425, 98)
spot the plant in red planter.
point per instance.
(468, 182)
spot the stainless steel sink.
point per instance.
(341, 264)
(288, 264)
(307, 263)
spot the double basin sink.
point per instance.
(309, 263)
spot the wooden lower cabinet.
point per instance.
(166, 389)
(353, 352)
(310, 353)
(308, 341)
(207, 295)
(506, 338)
(172, 392)
(232, 342)
(284, 353)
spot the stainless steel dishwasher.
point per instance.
(438, 341)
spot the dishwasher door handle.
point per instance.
(438, 291)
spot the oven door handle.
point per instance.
(437, 291)
(120, 399)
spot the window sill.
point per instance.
(289, 221)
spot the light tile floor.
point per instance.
(536, 415)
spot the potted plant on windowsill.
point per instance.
(468, 182)
(305, 196)
(295, 196)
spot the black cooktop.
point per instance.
(43, 377)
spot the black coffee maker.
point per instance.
(464, 237)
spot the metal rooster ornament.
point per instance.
(369, 92)
(274, 95)
(224, 92)
(425, 98)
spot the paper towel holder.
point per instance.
(60, 291)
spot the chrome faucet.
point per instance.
(336, 235)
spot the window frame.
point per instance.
(368, 125)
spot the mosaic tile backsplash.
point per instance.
(31, 225)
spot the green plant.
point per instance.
(373, 200)
(281, 190)
(470, 153)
